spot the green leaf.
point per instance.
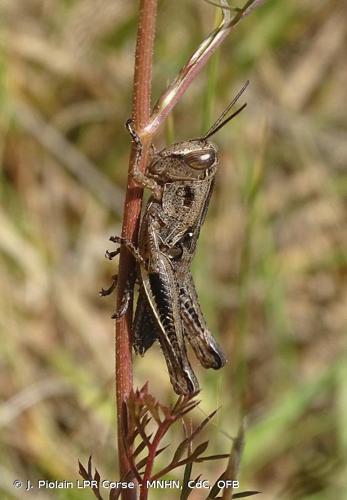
(212, 457)
(186, 490)
(215, 488)
(244, 494)
(82, 471)
(181, 448)
(143, 462)
(198, 450)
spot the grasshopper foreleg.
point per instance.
(123, 306)
(130, 247)
(139, 177)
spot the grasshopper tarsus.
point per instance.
(129, 125)
(123, 306)
(111, 255)
(129, 246)
(117, 239)
(107, 291)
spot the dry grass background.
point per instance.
(271, 266)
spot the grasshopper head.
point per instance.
(195, 159)
(190, 160)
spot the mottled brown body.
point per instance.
(168, 308)
(181, 179)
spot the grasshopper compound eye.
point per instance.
(201, 159)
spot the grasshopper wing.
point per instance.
(145, 328)
(162, 295)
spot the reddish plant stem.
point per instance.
(162, 430)
(132, 210)
(146, 126)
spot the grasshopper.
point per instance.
(181, 179)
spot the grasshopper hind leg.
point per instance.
(200, 338)
(146, 332)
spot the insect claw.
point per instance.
(116, 239)
(118, 315)
(130, 247)
(107, 291)
(110, 255)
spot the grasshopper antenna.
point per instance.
(220, 122)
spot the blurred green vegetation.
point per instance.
(271, 265)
